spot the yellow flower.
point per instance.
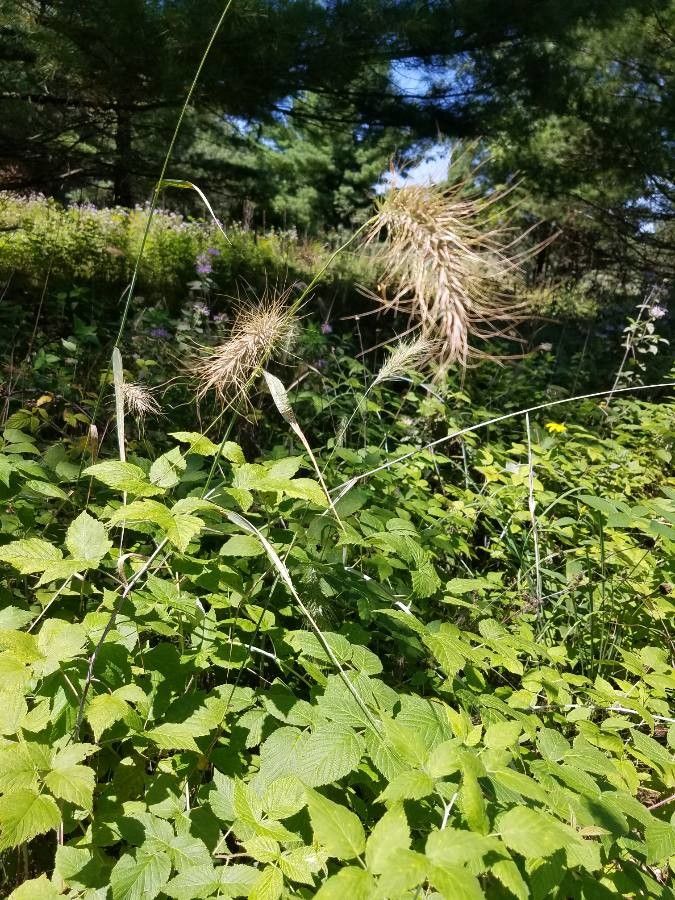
(555, 427)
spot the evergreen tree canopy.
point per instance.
(91, 91)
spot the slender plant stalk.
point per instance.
(533, 515)
(346, 486)
(129, 586)
(244, 523)
(629, 347)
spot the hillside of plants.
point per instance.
(337, 423)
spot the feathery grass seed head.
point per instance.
(406, 355)
(139, 400)
(447, 260)
(259, 333)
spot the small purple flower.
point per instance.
(657, 311)
(203, 266)
(159, 333)
(213, 251)
(326, 328)
(201, 309)
(219, 318)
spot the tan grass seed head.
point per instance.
(139, 400)
(260, 332)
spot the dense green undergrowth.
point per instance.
(454, 680)
(66, 268)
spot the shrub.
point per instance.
(213, 686)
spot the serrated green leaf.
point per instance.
(336, 828)
(552, 745)
(246, 803)
(455, 883)
(452, 847)
(472, 803)
(24, 814)
(242, 545)
(124, 477)
(183, 529)
(148, 511)
(195, 883)
(103, 711)
(449, 657)
(534, 833)
(284, 797)
(508, 873)
(81, 868)
(412, 785)
(30, 555)
(502, 735)
(86, 539)
(19, 767)
(173, 736)
(36, 889)
(269, 885)
(405, 871)
(167, 469)
(199, 443)
(13, 709)
(388, 837)
(329, 753)
(349, 882)
(300, 864)
(651, 749)
(140, 875)
(45, 489)
(660, 841)
(72, 783)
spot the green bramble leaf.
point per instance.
(140, 875)
(284, 797)
(103, 711)
(660, 841)
(35, 888)
(173, 736)
(124, 477)
(330, 753)
(388, 837)
(13, 709)
(351, 882)
(30, 555)
(242, 545)
(72, 783)
(268, 886)
(336, 828)
(533, 833)
(45, 489)
(167, 469)
(199, 444)
(24, 814)
(456, 882)
(412, 785)
(86, 539)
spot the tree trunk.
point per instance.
(122, 181)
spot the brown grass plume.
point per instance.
(448, 260)
(260, 332)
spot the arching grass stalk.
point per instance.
(346, 486)
(165, 165)
(257, 371)
(276, 561)
(129, 290)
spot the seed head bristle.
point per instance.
(259, 333)
(139, 400)
(447, 263)
(406, 355)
